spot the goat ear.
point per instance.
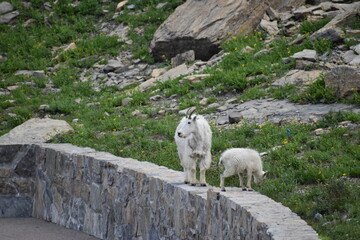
(265, 174)
(194, 118)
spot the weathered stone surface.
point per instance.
(158, 72)
(186, 57)
(306, 54)
(263, 111)
(331, 34)
(126, 101)
(298, 77)
(5, 7)
(7, 188)
(331, 30)
(356, 48)
(343, 80)
(36, 130)
(199, 25)
(269, 26)
(11, 206)
(35, 73)
(195, 78)
(120, 5)
(171, 74)
(7, 17)
(112, 65)
(235, 117)
(348, 56)
(303, 12)
(355, 61)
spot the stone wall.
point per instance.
(17, 175)
(120, 198)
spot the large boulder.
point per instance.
(344, 80)
(35, 130)
(200, 25)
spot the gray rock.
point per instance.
(8, 17)
(279, 111)
(306, 54)
(11, 206)
(199, 25)
(270, 26)
(302, 12)
(348, 56)
(355, 61)
(4, 92)
(161, 5)
(214, 105)
(131, 7)
(5, 7)
(235, 117)
(171, 74)
(356, 49)
(343, 80)
(186, 57)
(126, 101)
(34, 73)
(156, 98)
(36, 130)
(318, 216)
(112, 65)
(298, 77)
(273, 14)
(44, 107)
(196, 78)
(333, 35)
(261, 52)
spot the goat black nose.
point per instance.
(179, 134)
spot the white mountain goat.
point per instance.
(241, 160)
(193, 141)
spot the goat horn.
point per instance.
(191, 112)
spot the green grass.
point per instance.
(312, 26)
(308, 173)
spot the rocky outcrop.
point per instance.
(199, 25)
(344, 80)
(6, 13)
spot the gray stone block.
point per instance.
(11, 206)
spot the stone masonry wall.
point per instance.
(17, 174)
(120, 198)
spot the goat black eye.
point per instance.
(189, 122)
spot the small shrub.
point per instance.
(64, 76)
(322, 45)
(315, 93)
(309, 26)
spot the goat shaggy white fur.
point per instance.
(241, 160)
(193, 141)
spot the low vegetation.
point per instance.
(313, 175)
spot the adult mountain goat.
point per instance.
(193, 141)
(241, 160)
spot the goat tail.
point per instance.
(220, 162)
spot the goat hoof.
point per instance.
(186, 182)
(250, 189)
(203, 184)
(244, 189)
(223, 190)
(193, 184)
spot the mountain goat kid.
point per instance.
(241, 160)
(193, 141)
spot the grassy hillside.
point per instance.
(311, 174)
